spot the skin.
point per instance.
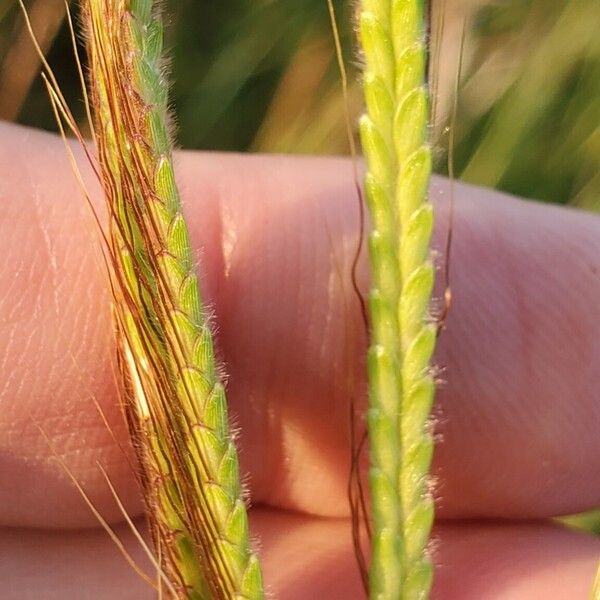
(517, 414)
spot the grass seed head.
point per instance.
(175, 405)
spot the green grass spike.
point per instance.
(394, 140)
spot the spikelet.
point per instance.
(394, 140)
(175, 405)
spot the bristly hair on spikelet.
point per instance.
(401, 384)
(174, 403)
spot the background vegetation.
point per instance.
(260, 75)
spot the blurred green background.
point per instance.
(260, 75)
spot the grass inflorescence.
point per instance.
(174, 403)
(394, 139)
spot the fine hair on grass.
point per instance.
(174, 403)
(401, 386)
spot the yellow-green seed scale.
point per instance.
(394, 140)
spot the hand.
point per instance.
(517, 411)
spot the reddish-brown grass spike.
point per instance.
(174, 404)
